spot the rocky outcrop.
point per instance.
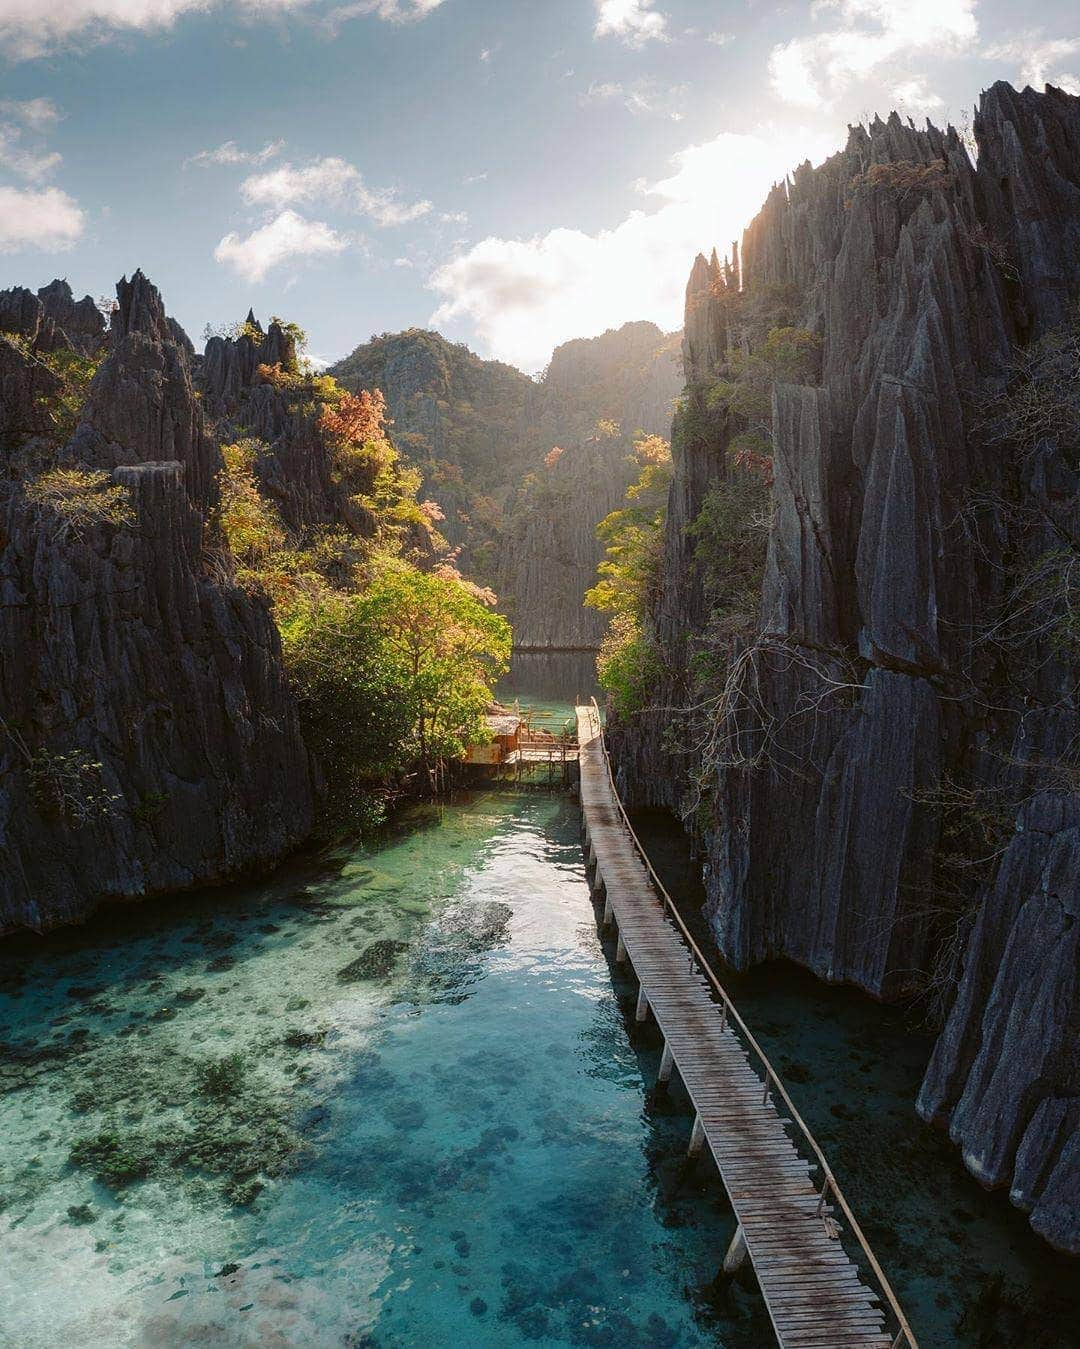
(293, 464)
(460, 420)
(549, 550)
(480, 432)
(142, 406)
(52, 318)
(149, 740)
(888, 795)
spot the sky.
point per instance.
(514, 173)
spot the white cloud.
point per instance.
(394, 11)
(36, 113)
(912, 96)
(866, 35)
(33, 28)
(230, 153)
(29, 28)
(635, 21)
(720, 39)
(30, 164)
(33, 117)
(49, 219)
(523, 296)
(643, 96)
(330, 180)
(1037, 55)
(287, 236)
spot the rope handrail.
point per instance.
(830, 1186)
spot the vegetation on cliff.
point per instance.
(391, 652)
(521, 469)
(632, 536)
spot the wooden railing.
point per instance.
(830, 1188)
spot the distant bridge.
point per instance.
(816, 1293)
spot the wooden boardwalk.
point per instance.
(789, 1227)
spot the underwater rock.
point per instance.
(375, 962)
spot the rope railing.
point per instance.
(830, 1189)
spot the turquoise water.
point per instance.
(394, 1096)
(389, 1097)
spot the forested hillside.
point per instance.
(522, 469)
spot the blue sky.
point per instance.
(514, 172)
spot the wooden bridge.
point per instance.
(796, 1233)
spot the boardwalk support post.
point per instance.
(697, 1138)
(642, 1005)
(609, 912)
(620, 950)
(736, 1252)
(667, 1062)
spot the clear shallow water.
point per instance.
(442, 1096)
(386, 1098)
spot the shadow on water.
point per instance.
(964, 1263)
(555, 677)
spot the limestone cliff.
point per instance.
(149, 740)
(481, 433)
(595, 395)
(882, 769)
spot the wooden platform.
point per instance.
(814, 1292)
(551, 754)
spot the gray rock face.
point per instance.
(294, 467)
(142, 406)
(149, 741)
(480, 430)
(900, 682)
(550, 551)
(52, 318)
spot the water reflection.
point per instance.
(555, 677)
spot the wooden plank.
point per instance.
(812, 1290)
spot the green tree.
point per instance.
(353, 708)
(628, 663)
(447, 648)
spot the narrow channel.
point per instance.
(387, 1097)
(393, 1095)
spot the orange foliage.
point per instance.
(357, 418)
(746, 457)
(272, 374)
(652, 450)
(447, 570)
(553, 456)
